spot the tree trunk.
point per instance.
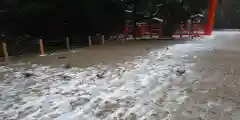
(169, 28)
(134, 20)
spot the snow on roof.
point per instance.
(2, 11)
(140, 23)
(196, 15)
(158, 19)
(129, 11)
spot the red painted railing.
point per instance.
(156, 29)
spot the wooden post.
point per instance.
(103, 41)
(5, 52)
(189, 27)
(197, 33)
(161, 30)
(67, 44)
(181, 31)
(123, 38)
(41, 47)
(194, 30)
(89, 41)
(151, 31)
(142, 30)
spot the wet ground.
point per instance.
(111, 53)
(140, 80)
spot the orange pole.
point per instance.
(103, 40)
(211, 17)
(41, 47)
(89, 41)
(67, 44)
(5, 52)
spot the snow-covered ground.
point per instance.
(153, 87)
(149, 87)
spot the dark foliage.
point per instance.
(45, 18)
(173, 12)
(58, 18)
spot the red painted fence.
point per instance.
(193, 30)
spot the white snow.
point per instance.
(141, 89)
(197, 15)
(158, 19)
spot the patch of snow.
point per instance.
(158, 19)
(141, 89)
